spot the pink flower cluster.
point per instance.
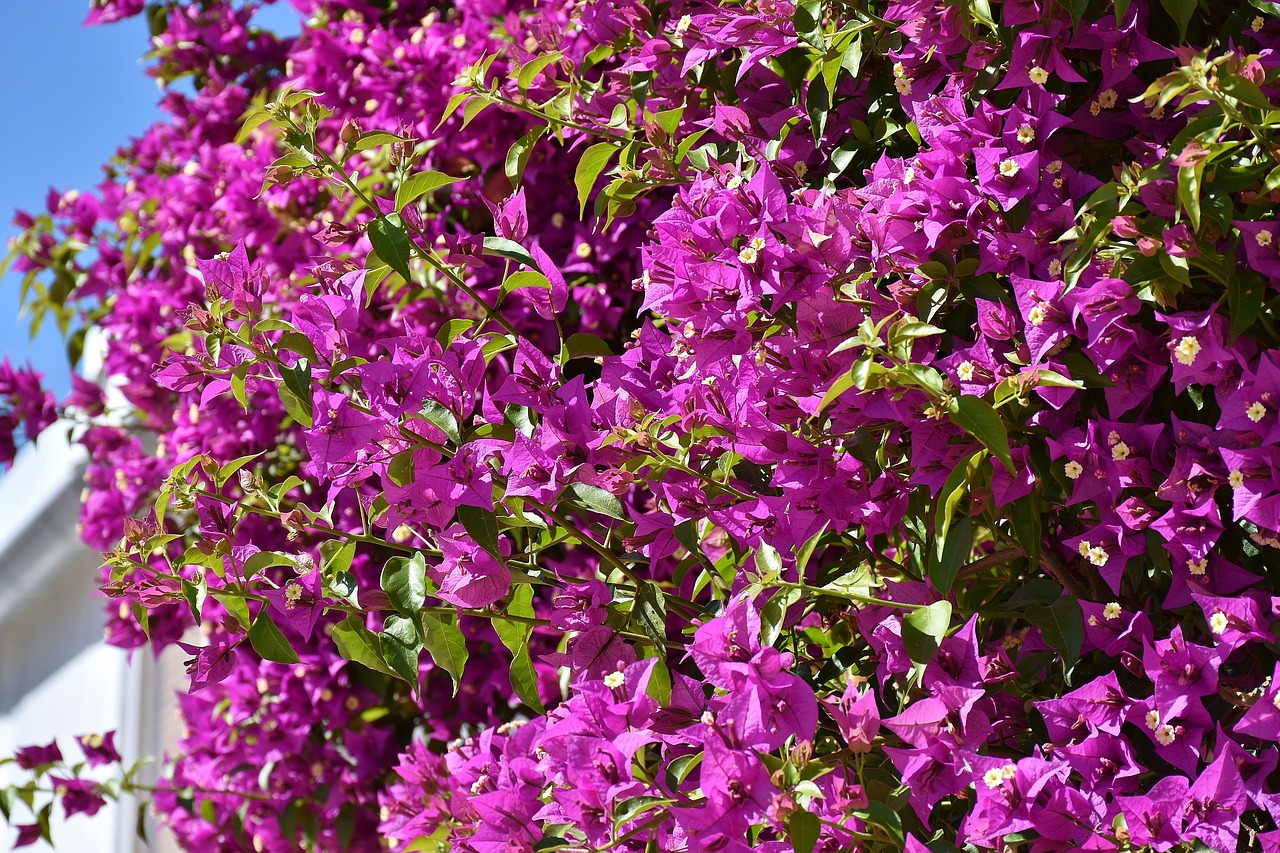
(704, 427)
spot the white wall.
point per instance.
(57, 678)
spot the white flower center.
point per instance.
(1187, 350)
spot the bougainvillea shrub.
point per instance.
(688, 427)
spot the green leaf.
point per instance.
(336, 555)
(649, 613)
(267, 640)
(450, 331)
(976, 417)
(887, 818)
(358, 644)
(440, 416)
(401, 647)
(265, 560)
(374, 138)
(1024, 514)
(598, 500)
(525, 279)
(227, 470)
(519, 153)
(446, 645)
(390, 239)
(1061, 625)
(474, 107)
(923, 630)
(1189, 179)
(531, 69)
(949, 497)
(450, 108)
(298, 408)
(808, 24)
(1245, 294)
(509, 249)
(515, 636)
(593, 162)
(584, 345)
(482, 526)
(1181, 12)
(957, 544)
(419, 184)
(252, 122)
(803, 827)
(843, 383)
(234, 604)
(524, 681)
(404, 580)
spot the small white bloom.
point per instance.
(292, 595)
(1166, 735)
(1235, 479)
(993, 778)
(1275, 700)
(1198, 567)
(1026, 134)
(1256, 412)
(460, 40)
(748, 255)
(708, 718)
(903, 85)
(964, 370)
(1107, 98)
(583, 250)
(1055, 268)
(1038, 75)
(1112, 611)
(682, 28)
(614, 679)
(1098, 556)
(1036, 315)
(1073, 469)
(1153, 719)
(1187, 350)
(1009, 168)
(1120, 452)
(1263, 238)
(1256, 25)
(1218, 622)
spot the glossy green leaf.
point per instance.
(268, 642)
(419, 184)
(446, 645)
(649, 613)
(1061, 625)
(923, 630)
(390, 239)
(400, 647)
(593, 162)
(976, 417)
(404, 580)
(803, 828)
(358, 644)
(482, 526)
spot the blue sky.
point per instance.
(69, 97)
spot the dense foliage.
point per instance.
(689, 426)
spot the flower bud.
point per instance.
(351, 132)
